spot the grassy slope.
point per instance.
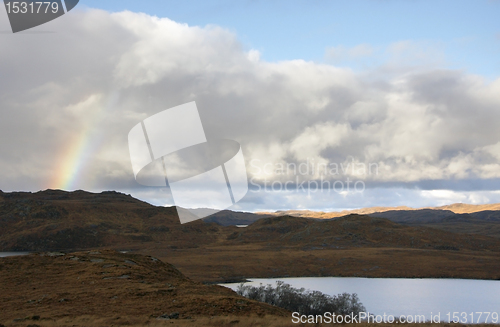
(110, 284)
(271, 247)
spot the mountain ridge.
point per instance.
(354, 245)
(457, 208)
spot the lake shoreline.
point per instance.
(221, 264)
(52, 268)
(249, 279)
(396, 297)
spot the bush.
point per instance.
(305, 302)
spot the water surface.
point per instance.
(11, 254)
(403, 296)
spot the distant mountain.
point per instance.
(454, 208)
(422, 216)
(482, 222)
(356, 231)
(332, 214)
(231, 218)
(432, 216)
(470, 208)
(458, 217)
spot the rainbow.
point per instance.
(73, 159)
(77, 152)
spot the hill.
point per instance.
(459, 217)
(232, 218)
(357, 231)
(350, 246)
(458, 208)
(55, 220)
(354, 245)
(331, 214)
(485, 223)
(470, 208)
(108, 287)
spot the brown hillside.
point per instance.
(56, 220)
(351, 246)
(357, 231)
(108, 284)
(272, 247)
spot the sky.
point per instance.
(463, 34)
(386, 102)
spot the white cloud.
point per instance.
(313, 140)
(68, 100)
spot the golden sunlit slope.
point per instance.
(456, 208)
(470, 208)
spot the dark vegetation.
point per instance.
(304, 301)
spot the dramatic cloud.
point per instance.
(68, 100)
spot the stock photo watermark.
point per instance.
(27, 14)
(311, 176)
(170, 149)
(365, 317)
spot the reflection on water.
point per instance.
(402, 296)
(11, 254)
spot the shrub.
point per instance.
(305, 302)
